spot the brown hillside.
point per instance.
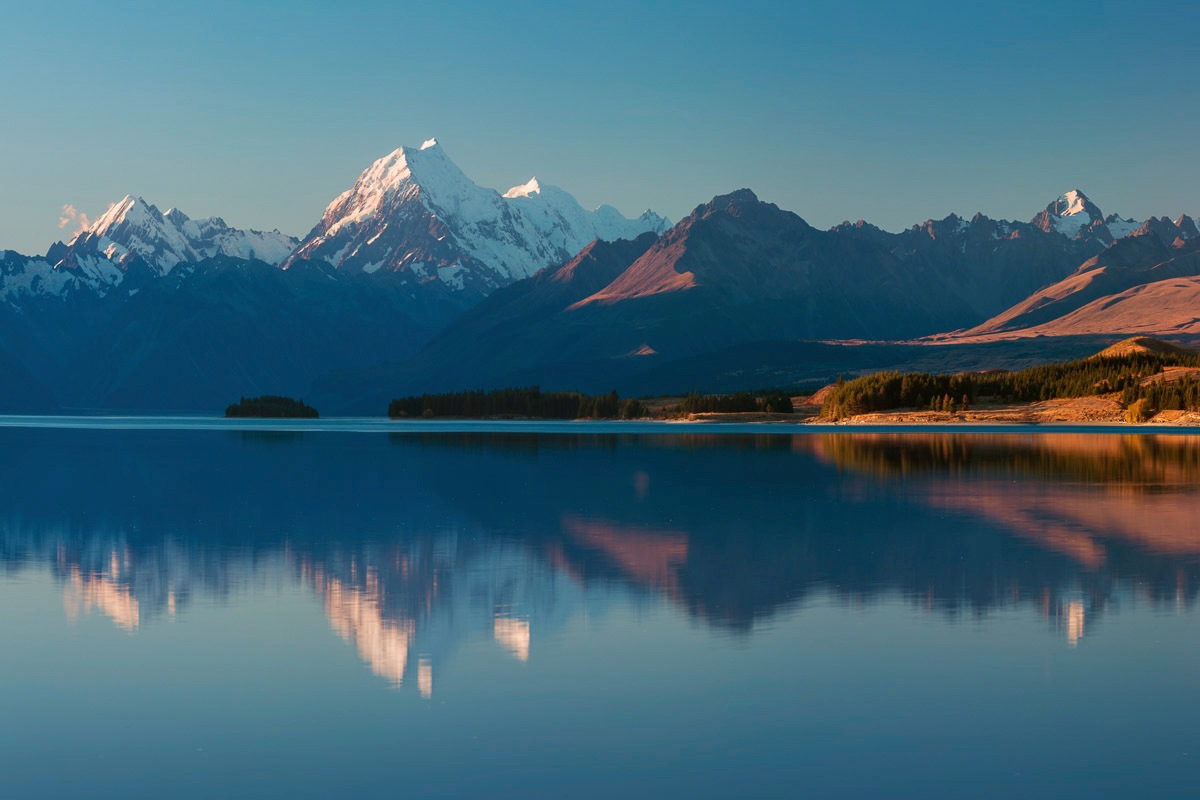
(1139, 345)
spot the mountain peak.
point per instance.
(127, 208)
(736, 196)
(1187, 226)
(1071, 214)
(1071, 203)
(414, 210)
(733, 202)
(401, 175)
(132, 228)
(654, 221)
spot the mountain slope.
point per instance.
(415, 211)
(1137, 285)
(212, 332)
(1169, 307)
(20, 391)
(985, 264)
(739, 267)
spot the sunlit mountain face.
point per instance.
(414, 547)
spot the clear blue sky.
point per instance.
(893, 112)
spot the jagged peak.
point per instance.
(132, 228)
(438, 213)
(428, 162)
(1071, 214)
(128, 207)
(1188, 226)
(737, 196)
(1161, 227)
(732, 200)
(859, 227)
(657, 222)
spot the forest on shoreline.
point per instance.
(532, 403)
(1137, 380)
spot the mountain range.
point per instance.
(414, 211)
(1147, 282)
(740, 294)
(417, 279)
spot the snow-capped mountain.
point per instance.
(134, 228)
(144, 309)
(415, 211)
(131, 235)
(1071, 214)
(1076, 217)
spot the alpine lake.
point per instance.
(201, 608)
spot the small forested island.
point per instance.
(532, 403)
(1136, 380)
(272, 407)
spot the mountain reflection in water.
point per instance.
(416, 544)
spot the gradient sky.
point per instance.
(262, 112)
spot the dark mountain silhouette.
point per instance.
(224, 328)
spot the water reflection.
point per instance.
(415, 545)
(105, 593)
(1075, 494)
(356, 616)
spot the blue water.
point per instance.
(201, 608)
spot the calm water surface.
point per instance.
(211, 611)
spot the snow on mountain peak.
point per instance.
(1072, 214)
(133, 227)
(1077, 217)
(1120, 228)
(117, 213)
(1072, 203)
(525, 189)
(415, 210)
(403, 175)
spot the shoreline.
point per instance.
(933, 422)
